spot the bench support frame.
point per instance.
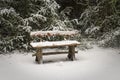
(39, 54)
(71, 54)
(40, 45)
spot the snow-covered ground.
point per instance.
(93, 64)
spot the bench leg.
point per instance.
(71, 54)
(38, 58)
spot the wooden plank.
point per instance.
(54, 53)
(54, 44)
(71, 54)
(53, 33)
(38, 55)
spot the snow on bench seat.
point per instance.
(54, 43)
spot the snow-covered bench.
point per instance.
(51, 44)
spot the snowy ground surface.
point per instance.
(93, 64)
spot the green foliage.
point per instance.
(13, 33)
(97, 19)
(110, 34)
(19, 17)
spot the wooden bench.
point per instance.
(51, 44)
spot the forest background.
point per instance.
(96, 20)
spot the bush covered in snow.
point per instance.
(13, 31)
(18, 18)
(95, 19)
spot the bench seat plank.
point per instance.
(54, 44)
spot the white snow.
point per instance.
(93, 64)
(54, 43)
(7, 11)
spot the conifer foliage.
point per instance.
(19, 17)
(97, 19)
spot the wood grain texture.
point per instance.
(52, 33)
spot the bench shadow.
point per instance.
(64, 59)
(55, 60)
(60, 58)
